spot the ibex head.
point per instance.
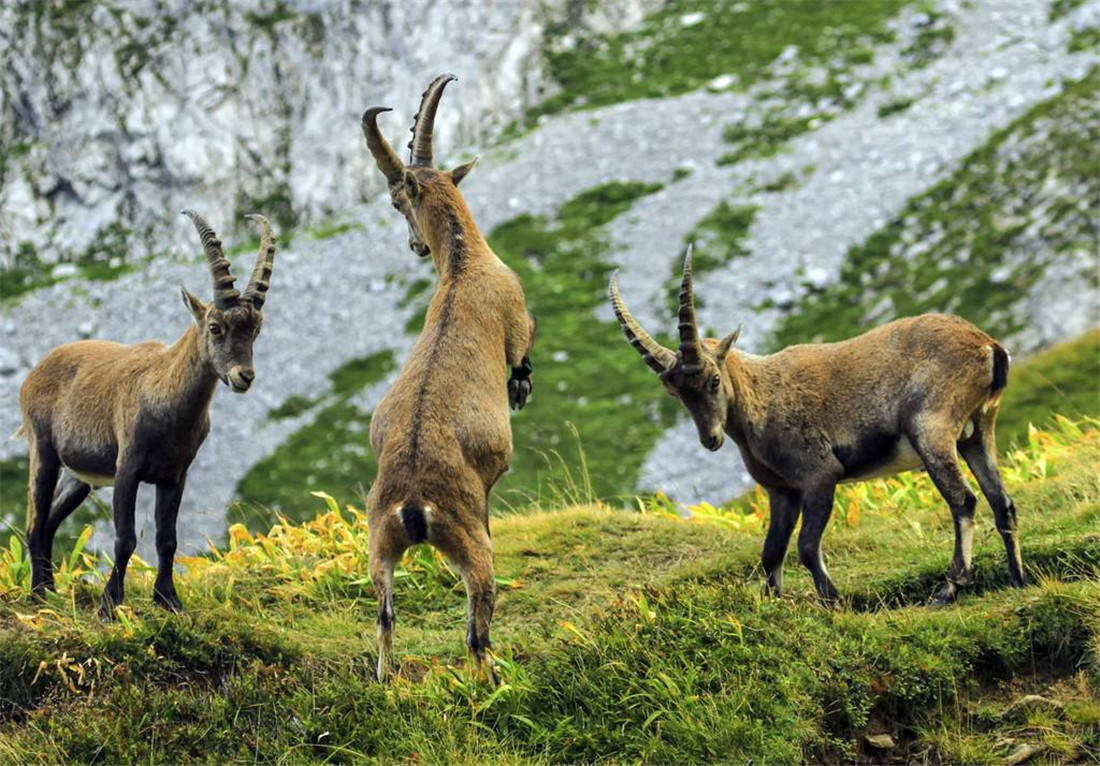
(229, 326)
(410, 186)
(696, 374)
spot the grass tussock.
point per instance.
(639, 635)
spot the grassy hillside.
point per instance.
(637, 636)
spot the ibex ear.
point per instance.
(197, 307)
(462, 170)
(412, 184)
(726, 342)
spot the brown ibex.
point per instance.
(915, 391)
(441, 434)
(121, 415)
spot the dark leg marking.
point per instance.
(44, 469)
(980, 454)
(817, 506)
(783, 515)
(167, 509)
(126, 485)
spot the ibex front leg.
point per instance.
(168, 506)
(126, 485)
(44, 469)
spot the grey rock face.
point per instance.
(116, 115)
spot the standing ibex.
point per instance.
(121, 415)
(913, 391)
(441, 433)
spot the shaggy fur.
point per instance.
(914, 392)
(442, 433)
(121, 415)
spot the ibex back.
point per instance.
(442, 433)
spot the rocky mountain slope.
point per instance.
(780, 177)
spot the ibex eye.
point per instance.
(714, 384)
(215, 329)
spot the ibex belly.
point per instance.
(92, 466)
(879, 458)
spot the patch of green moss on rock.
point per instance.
(674, 51)
(975, 243)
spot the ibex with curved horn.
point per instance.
(916, 391)
(441, 433)
(121, 415)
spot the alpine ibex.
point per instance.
(121, 415)
(914, 391)
(441, 433)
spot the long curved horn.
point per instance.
(420, 145)
(689, 330)
(384, 156)
(225, 295)
(656, 356)
(265, 260)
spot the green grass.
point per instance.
(621, 636)
(1063, 379)
(766, 140)
(663, 57)
(976, 242)
(330, 452)
(1061, 8)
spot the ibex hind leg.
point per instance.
(471, 551)
(480, 600)
(381, 573)
(71, 492)
(936, 447)
(980, 453)
(44, 468)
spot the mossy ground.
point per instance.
(628, 636)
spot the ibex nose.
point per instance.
(240, 378)
(713, 443)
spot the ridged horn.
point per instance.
(225, 295)
(420, 146)
(384, 155)
(690, 352)
(656, 356)
(265, 260)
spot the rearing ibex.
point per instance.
(121, 415)
(914, 391)
(441, 433)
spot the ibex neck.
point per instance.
(189, 380)
(457, 240)
(745, 399)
